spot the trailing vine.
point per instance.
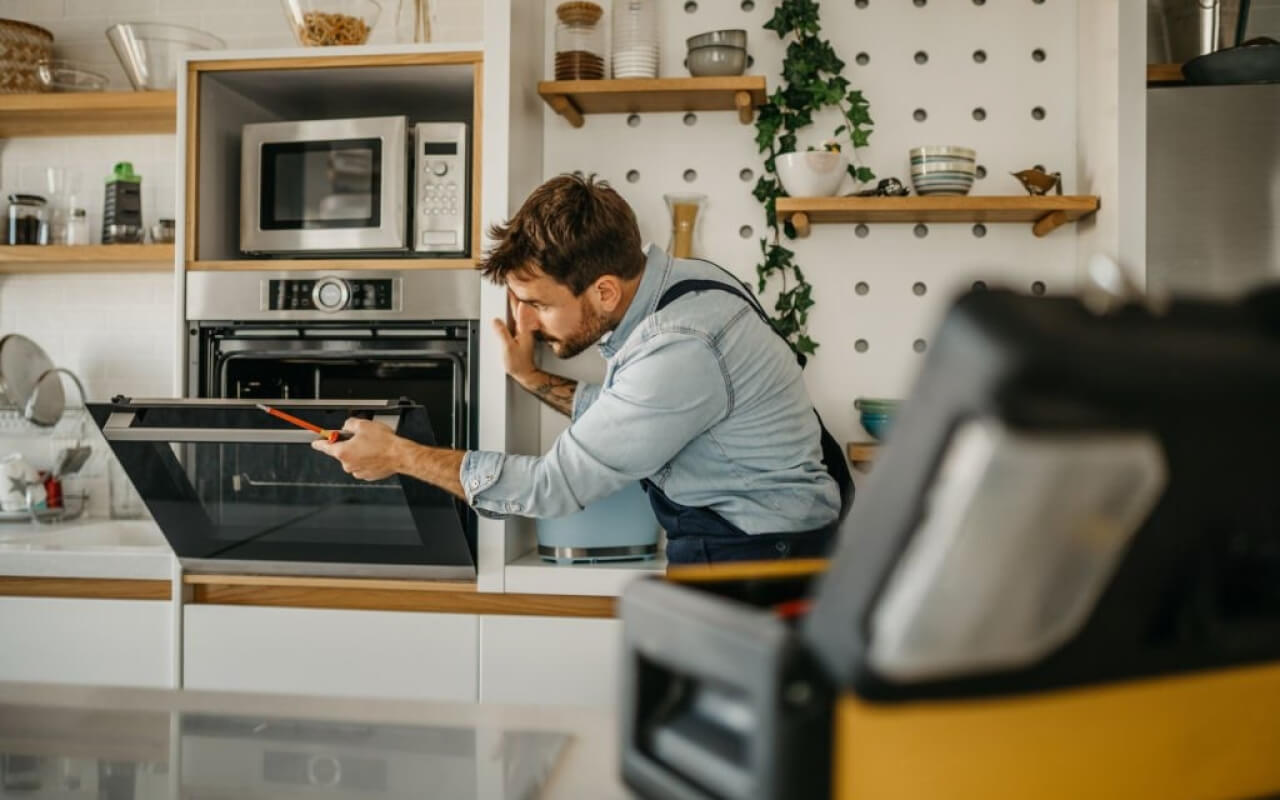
(811, 80)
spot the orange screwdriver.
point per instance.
(331, 436)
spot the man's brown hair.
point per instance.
(572, 228)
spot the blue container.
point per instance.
(876, 424)
(620, 527)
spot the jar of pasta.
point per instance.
(580, 53)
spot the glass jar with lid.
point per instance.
(580, 52)
(28, 220)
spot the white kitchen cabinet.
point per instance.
(98, 642)
(549, 660)
(394, 654)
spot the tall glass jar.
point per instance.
(580, 51)
(635, 39)
(686, 209)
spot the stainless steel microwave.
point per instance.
(367, 185)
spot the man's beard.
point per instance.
(594, 325)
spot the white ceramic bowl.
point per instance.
(716, 60)
(814, 173)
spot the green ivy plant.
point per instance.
(811, 80)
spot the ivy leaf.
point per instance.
(864, 174)
(805, 346)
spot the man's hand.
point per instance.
(372, 453)
(517, 347)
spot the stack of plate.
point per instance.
(943, 169)
(636, 61)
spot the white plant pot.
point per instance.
(813, 173)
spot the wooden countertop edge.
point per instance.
(350, 594)
(365, 598)
(86, 588)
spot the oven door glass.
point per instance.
(235, 489)
(321, 184)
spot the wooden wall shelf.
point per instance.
(285, 264)
(18, 259)
(1046, 213)
(87, 113)
(1164, 74)
(574, 99)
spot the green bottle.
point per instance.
(122, 206)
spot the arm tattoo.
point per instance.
(555, 391)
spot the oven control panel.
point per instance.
(330, 294)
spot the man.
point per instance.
(701, 399)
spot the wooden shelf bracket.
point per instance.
(565, 108)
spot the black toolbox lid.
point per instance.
(982, 516)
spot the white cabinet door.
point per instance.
(549, 660)
(98, 642)
(330, 652)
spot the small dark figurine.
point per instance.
(889, 187)
(1038, 182)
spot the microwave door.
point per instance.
(324, 186)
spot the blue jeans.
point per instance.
(719, 548)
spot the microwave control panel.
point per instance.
(330, 294)
(440, 179)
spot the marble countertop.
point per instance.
(178, 743)
(89, 548)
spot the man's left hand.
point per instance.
(371, 454)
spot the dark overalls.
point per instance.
(702, 536)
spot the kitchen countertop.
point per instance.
(133, 743)
(89, 548)
(529, 574)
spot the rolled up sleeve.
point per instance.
(668, 391)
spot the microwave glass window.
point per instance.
(321, 184)
(440, 149)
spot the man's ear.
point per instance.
(608, 292)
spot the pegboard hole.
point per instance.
(919, 345)
(1037, 113)
(745, 174)
(633, 120)
(979, 286)
(920, 115)
(920, 230)
(1037, 55)
(690, 175)
(862, 59)
(980, 56)
(862, 345)
(691, 119)
(862, 287)
(919, 289)
(862, 231)
(690, 7)
(920, 3)
(979, 114)
(751, 60)
(1038, 2)
(748, 5)
(746, 231)
(1037, 288)
(979, 230)
(1039, 167)
(981, 172)
(979, 2)
(922, 57)
(633, 175)
(861, 3)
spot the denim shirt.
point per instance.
(701, 397)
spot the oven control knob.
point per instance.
(331, 294)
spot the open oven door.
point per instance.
(235, 490)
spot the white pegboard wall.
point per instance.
(919, 55)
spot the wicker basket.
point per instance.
(22, 47)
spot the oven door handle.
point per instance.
(119, 428)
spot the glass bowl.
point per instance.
(150, 51)
(57, 75)
(325, 23)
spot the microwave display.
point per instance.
(321, 184)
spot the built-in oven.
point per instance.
(372, 185)
(330, 344)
